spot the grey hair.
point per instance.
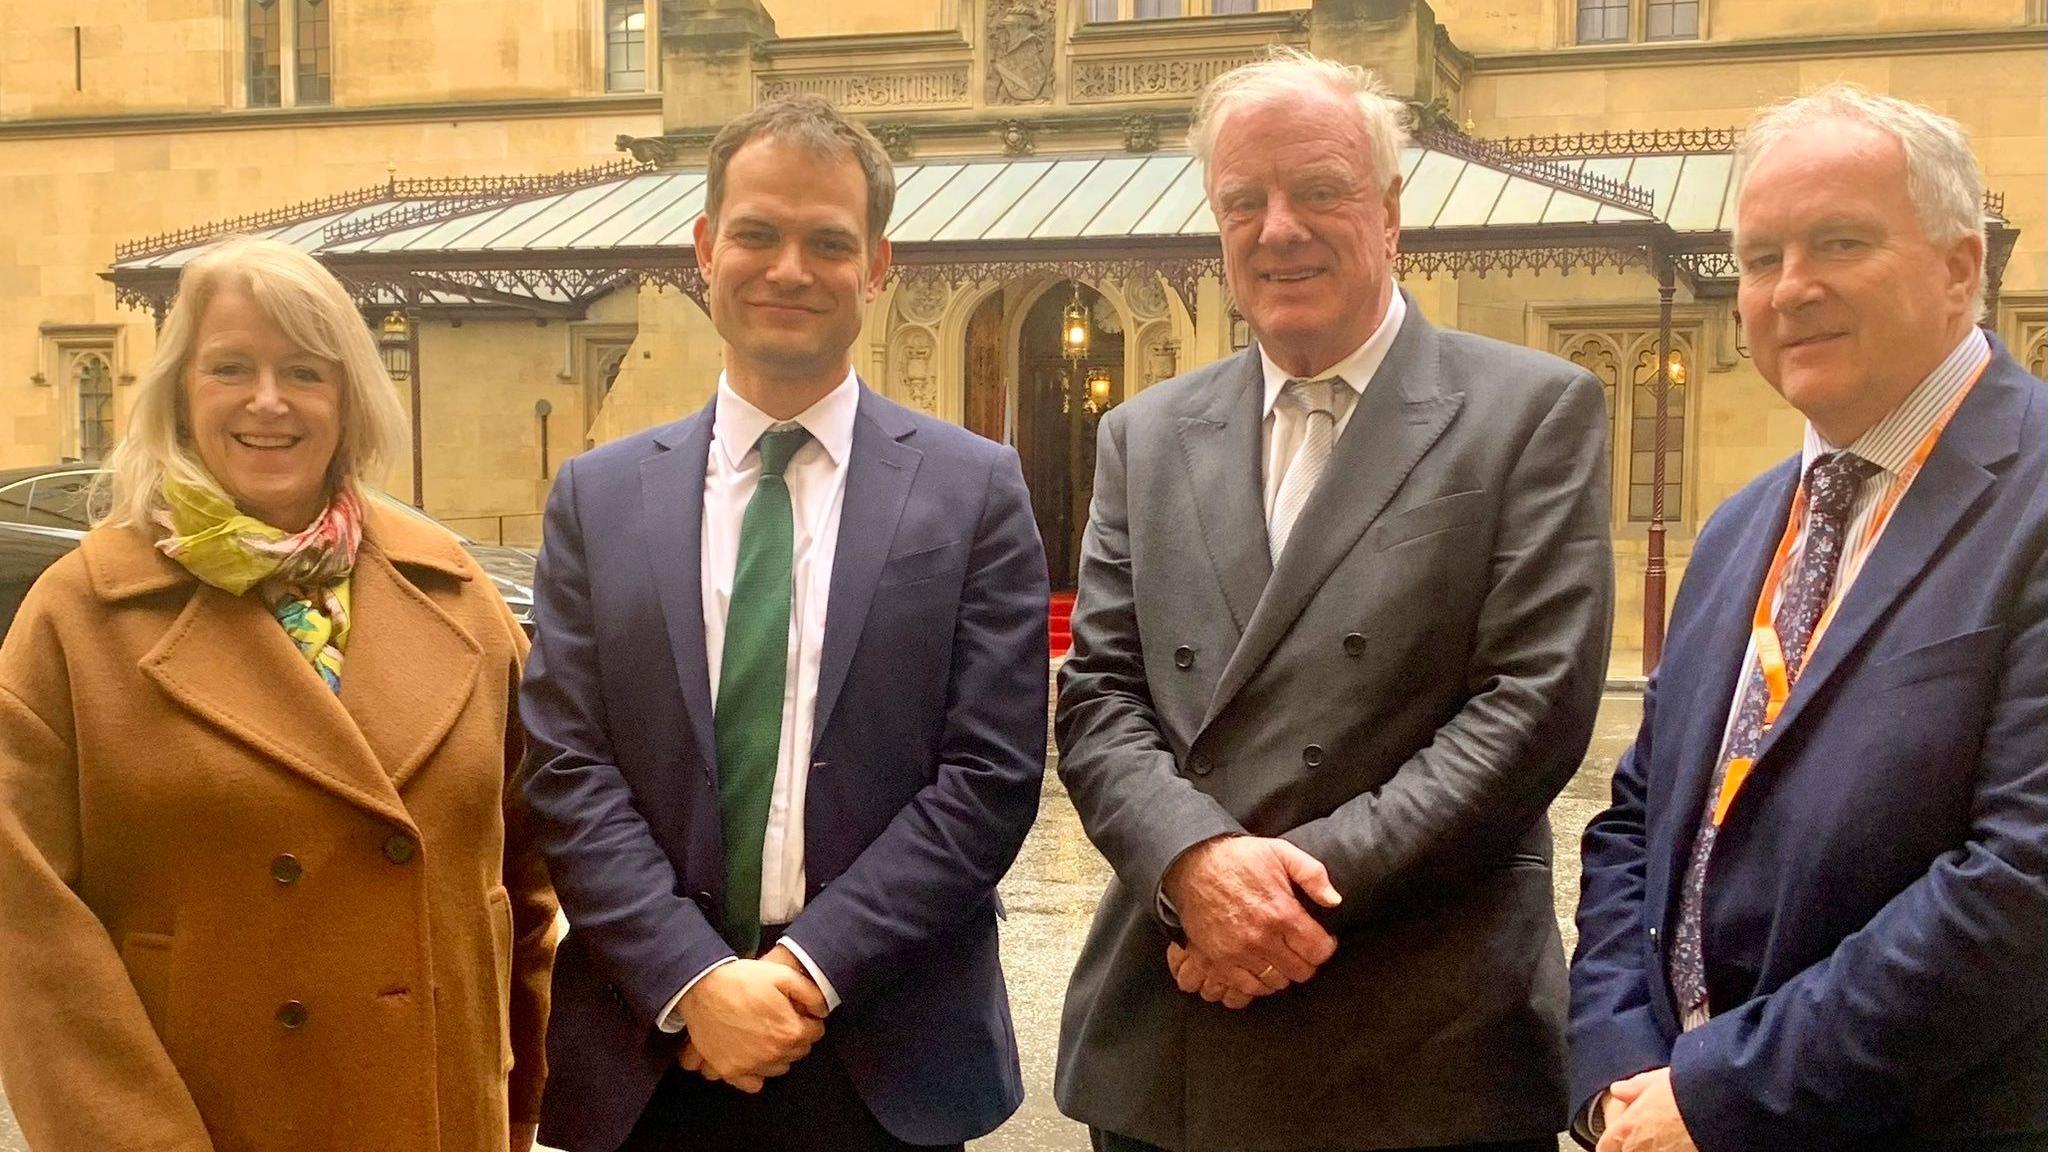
(311, 307)
(1281, 77)
(1942, 176)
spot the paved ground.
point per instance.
(1051, 894)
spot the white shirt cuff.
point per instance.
(817, 974)
(672, 1016)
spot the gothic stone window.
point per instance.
(315, 52)
(266, 52)
(304, 25)
(92, 389)
(1624, 359)
(1627, 21)
(1113, 11)
(625, 46)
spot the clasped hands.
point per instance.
(749, 1020)
(1249, 934)
(1641, 1115)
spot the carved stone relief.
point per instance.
(1141, 133)
(922, 300)
(1019, 138)
(1147, 297)
(925, 88)
(912, 360)
(896, 139)
(646, 149)
(1160, 351)
(1020, 51)
(1149, 76)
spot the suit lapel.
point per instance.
(1701, 664)
(1957, 474)
(880, 469)
(672, 508)
(409, 669)
(227, 660)
(1220, 445)
(1399, 417)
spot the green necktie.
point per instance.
(748, 722)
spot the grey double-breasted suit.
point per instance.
(1402, 695)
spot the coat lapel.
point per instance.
(1957, 474)
(672, 502)
(227, 661)
(1220, 445)
(880, 469)
(1399, 417)
(409, 670)
(1701, 664)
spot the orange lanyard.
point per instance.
(1770, 650)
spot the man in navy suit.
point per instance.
(787, 705)
(1816, 916)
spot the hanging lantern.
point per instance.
(1074, 327)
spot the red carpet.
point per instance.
(1059, 635)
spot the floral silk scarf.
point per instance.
(303, 577)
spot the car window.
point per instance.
(56, 500)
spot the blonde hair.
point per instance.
(1281, 78)
(315, 312)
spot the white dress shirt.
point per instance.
(817, 491)
(1286, 424)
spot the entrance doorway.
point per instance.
(1060, 399)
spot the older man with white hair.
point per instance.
(1344, 608)
(1816, 916)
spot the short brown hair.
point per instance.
(809, 122)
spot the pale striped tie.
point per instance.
(1314, 398)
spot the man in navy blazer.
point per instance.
(1816, 916)
(832, 981)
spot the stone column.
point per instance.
(708, 60)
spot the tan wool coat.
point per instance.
(239, 913)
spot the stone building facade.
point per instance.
(122, 120)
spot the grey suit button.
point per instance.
(1198, 766)
(1354, 644)
(285, 869)
(1654, 935)
(292, 1015)
(1184, 657)
(1312, 755)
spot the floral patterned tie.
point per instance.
(1831, 484)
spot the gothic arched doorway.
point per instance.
(1060, 398)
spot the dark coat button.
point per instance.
(1312, 755)
(398, 848)
(1183, 657)
(1354, 643)
(1198, 766)
(292, 1015)
(285, 869)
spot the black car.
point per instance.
(43, 515)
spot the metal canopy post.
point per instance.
(1653, 570)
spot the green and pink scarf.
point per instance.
(303, 577)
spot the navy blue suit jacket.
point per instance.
(929, 758)
(1876, 917)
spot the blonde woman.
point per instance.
(264, 877)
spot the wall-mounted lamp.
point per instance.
(1097, 400)
(1240, 329)
(1674, 369)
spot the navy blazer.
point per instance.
(929, 759)
(1876, 917)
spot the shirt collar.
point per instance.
(1890, 443)
(736, 426)
(1357, 369)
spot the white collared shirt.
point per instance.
(1286, 425)
(817, 492)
